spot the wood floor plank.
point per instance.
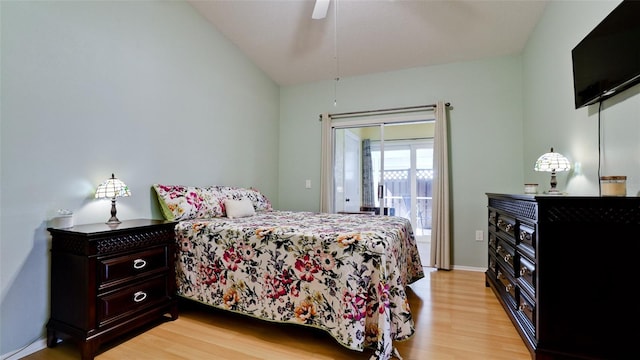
(456, 317)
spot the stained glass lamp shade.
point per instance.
(112, 188)
(552, 162)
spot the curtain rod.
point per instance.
(383, 111)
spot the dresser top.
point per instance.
(100, 228)
(538, 197)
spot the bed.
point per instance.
(343, 273)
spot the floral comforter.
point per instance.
(345, 274)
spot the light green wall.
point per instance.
(485, 131)
(145, 89)
(550, 117)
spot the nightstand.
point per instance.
(108, 280)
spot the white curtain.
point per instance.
(326, 187)
(367, 175)
(441, 227)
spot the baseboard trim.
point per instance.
(469, 268)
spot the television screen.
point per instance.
(607, 60)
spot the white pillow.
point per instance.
(239, 208)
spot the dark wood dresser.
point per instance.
(565, 270)
(108, 280)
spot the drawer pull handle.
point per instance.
(507, 257)
(139, 263)
(507, 227)
(523, 307)
(508, 287)
(524, 271)
(139, 296)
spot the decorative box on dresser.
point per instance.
(565, 269)
(107, 280)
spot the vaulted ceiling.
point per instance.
(369, 36)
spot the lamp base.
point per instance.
(553, 183)
(113, 220)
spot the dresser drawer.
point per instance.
(493, 242)
(507, 226)
(527, 308)
(131, 298)
(526, 238)
(493, 264)
(527, 275)
(115, 270)
(507, 283)
(506, 254)
(493, 218)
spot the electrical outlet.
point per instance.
(307, 184)
(479, 235)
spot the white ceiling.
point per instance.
(372, 36)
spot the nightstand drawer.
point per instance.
(132, 298)
(119, 269)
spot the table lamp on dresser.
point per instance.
(552, 162)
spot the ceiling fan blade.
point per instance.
(320, 9)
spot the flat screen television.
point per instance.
(607, 60)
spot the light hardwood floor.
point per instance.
(456, 317)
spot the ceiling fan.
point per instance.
(320, 9)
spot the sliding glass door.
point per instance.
(407, 180)
(385, 168)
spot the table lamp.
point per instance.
(112, 188)
(552, 162)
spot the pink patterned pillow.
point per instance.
(259, 200)
(179, 202)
